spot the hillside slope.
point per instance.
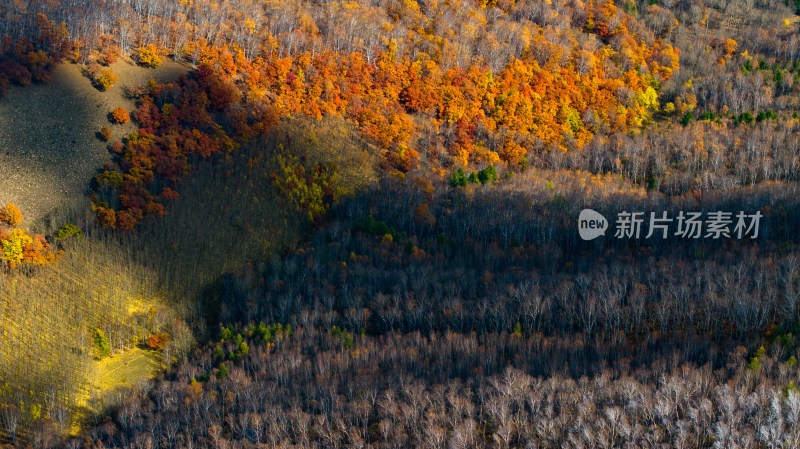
(48, 145)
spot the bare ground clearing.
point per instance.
(49, 150)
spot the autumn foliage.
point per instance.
(556, 98)
(148, 56)
(418, 92)
(312, 189)
(10, 215)
(495, 121)
(169, 137)
(157, 341)
(102, 78)
(462, 114)
(120, 115)
(16, 246)
(32, 57)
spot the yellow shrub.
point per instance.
(103, 78)
(148, 56)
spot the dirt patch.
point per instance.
(49, 149)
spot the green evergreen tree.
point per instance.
(101, 343)
(458, 178)
(223, 371)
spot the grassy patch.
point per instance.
(125, 369)
(121, 370)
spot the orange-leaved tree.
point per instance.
(10, 215)
(120, 115)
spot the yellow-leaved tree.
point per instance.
(13, 245)
(16, 246)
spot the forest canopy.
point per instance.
(353, 224)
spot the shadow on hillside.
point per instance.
(48, 149)
(230, 215)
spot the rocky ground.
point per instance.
(49, 145)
